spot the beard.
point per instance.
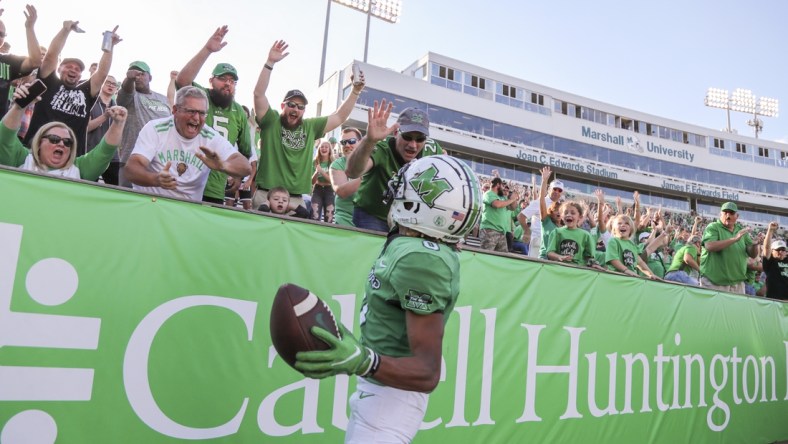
(283, 120)
(219, 99)
(500, 193)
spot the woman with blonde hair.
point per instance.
(53, 148)
(322, 192)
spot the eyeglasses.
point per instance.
(351, 141)
(410, 138)
(295, 105)
(193, 112)
(54, 140)
(227, 79)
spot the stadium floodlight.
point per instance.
(386, 10)
(743, 101)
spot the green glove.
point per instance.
(345, 356)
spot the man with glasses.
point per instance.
(287, 139)
(726, 245)
(225, 115)
(379, 157)
(100, 120)
(143, 104)
(344, 188)
(532, 212)
(174, 155)
(14, 66)
(775, 264)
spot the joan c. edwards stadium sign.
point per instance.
(125, 318)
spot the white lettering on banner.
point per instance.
(135, 366)
(718, 416)
(50, 282)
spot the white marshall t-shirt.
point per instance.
(159, 142)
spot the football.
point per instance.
(294, 312)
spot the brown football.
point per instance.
(294, 312)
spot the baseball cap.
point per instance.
(729, 206)
(226, 68)
(557, 184)
(74, 60)
(644, 235)
(140, 65)
(496, 181)
(776, 245)
(414, 120)
(295, 93)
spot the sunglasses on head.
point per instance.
(410, 138)
(295, 105)
(54, 140)
(351, 141)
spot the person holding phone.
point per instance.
(53, 146)
(15, 66)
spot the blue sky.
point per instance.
(654, 57)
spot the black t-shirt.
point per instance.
(63, 104)
(776, 278)
(10, 69)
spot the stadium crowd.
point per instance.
(198, 143)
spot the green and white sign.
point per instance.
(127, 318)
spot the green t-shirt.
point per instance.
(655, 263)
(729, 265)
(386, 162)
(323, 180)
(498, 219)
(411, 274)
(343, 206)
(286, 155)
(678, 259)
(548, 226)
(574, 242)
(623, 250)
(90, 165)
(232, 124)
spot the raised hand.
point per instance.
(216, 42)
(277, 51)
(118, 113)
(378, 117)
(31, 15)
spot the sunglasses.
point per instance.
(295, 105)
(54, 140)
(410, 138)
(3, 35)
(559, 190)
(351, 141)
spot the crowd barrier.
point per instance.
(130, 318)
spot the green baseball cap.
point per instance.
(225, 68)
(729, 206)
(140, 66)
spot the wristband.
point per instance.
(269, 67)
(374, 364)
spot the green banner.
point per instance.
(130, 318)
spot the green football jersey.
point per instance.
(232, 124)
(343, 206)
(386, 164)
(411, 274)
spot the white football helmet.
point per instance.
(438, 196)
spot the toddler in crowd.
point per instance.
(279, 203)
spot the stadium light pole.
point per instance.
(387, 10)
(742, 100)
